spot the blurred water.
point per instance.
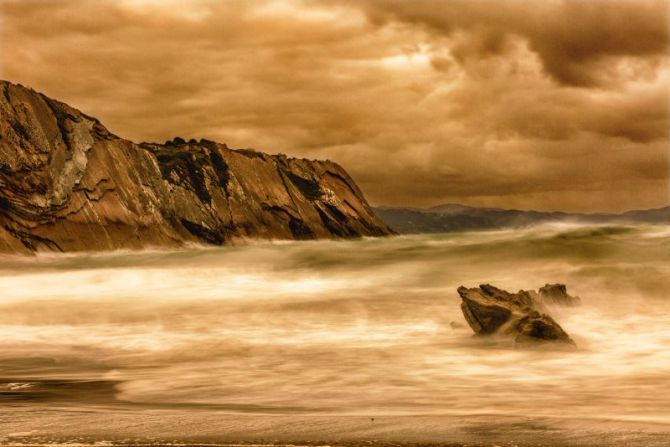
(341, 327)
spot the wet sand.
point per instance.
(30, 426)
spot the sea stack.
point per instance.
(490, 310)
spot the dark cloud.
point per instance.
(552, 105)
(575, 40)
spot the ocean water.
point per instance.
(368, 327)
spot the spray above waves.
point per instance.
(345, 327)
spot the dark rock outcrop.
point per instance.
(558, 294)
(489, 310)
(67, 183)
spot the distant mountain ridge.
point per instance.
(456, 217)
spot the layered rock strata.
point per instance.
(68, 184)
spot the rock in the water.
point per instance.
(67, 184)
(489, 310)
(558, 294)
(538, 326)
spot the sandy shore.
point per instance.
(29, 426)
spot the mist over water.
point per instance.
(367, 327)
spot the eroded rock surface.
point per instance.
(489, 310)
(558, 294)
(67, 183)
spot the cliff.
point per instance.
(68, 184)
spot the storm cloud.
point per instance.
(530, 104)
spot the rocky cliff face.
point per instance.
(67, 183)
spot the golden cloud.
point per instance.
(551, 105)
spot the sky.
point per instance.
(546, 104)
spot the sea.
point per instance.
(96, 347)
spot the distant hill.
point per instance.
(455, 217)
